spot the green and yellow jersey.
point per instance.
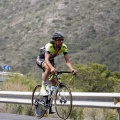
(49, 48)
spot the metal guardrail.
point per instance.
(80, 99)
(15, 97)
(8, 73)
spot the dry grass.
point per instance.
(14, 87)
(99, 114)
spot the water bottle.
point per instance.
(53, 88)
(48, 89)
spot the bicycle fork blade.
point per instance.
(62, 99)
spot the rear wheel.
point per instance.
(63, 101)
(38, 102)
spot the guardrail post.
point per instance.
(118, 114)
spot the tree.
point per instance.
(92, 77)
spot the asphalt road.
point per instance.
(5, 116)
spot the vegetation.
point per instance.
(94, 78)
(91, 29)
(20, 83)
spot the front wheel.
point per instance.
(63, 101)
(38, 102)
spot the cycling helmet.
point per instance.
(57, 35)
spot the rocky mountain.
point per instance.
(91, 29)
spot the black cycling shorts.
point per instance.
(39, 62)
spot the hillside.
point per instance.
(91, 29)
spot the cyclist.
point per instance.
(45, 60)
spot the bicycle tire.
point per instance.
(38, 102)
(63, 101)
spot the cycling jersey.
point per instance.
(49, 48)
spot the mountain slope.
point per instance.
(91, 29)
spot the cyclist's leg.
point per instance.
(46, 70)
(45, 75)
(53, 82)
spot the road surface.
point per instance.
(7, 116)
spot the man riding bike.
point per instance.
(45, 60)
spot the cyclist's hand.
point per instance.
(74, 72)
(53, 70)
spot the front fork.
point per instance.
(62, 99)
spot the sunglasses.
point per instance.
(59, 39)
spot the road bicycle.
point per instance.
(61, 98)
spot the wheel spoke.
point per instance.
(38, 102)
(63, 102)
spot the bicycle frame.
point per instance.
(58, 84)
(57, 75)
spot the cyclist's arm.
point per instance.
(68, 62)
